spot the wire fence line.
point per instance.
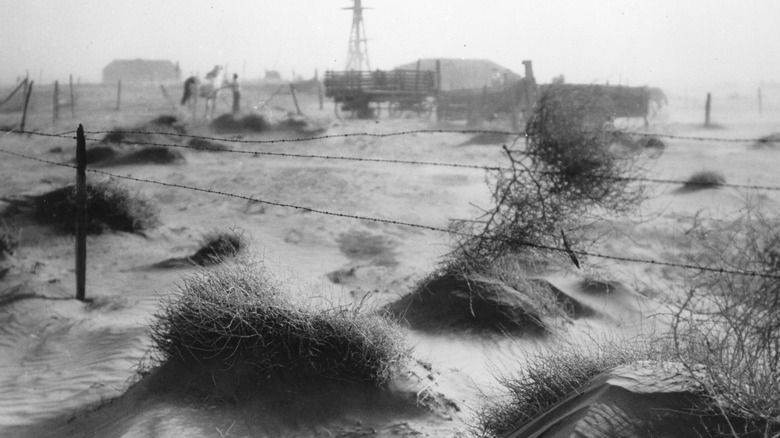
(767, 139)
(390, 161)
(448, 231)
(482, 167)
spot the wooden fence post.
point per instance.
(707, 107)
(72, 100)
(118, 94)
(81, 213)
(27, 93)
(319, 87)
(295, 99)
(56, 102)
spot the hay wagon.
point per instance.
(362, 93)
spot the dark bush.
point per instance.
(236, 316)
(109, 207)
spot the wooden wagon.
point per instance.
(362, 93)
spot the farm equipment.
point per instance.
(363, 92)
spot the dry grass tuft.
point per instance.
(705, 179)
(729, 324)
(219, 246)
(497, 300)
(9, 239)
(236, 316)
(110, 207)
(552, 375)
(767, 142)
(227, 123)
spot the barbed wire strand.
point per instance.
(399, 133)
(442, 164)
(396, 161)
(435, 131)
(406, 224)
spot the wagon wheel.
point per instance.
(344, 110)
(425, 109)
(394, 109)
(376, 109)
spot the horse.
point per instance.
(209, 89)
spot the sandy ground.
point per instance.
(61, 359)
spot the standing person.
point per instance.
(236, 88)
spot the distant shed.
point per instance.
(141, 71)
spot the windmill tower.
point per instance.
(357, 53)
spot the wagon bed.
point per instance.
(363, 92)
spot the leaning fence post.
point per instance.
(81, 213)
(295, 99)
(27, 93)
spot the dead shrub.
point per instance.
(237, 316)
(704, 179)
(110, 206)
(551, 376)
(728, 324)
(568, 174)
(219, 246)
(9, 239)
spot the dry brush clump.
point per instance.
(9, 239)
(552, 375)
(570, 173)
(728, 324)
(704, 179)
(110, 206)
(237, 318)
(218, 246)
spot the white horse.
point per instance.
(209, 90)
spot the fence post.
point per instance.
(319, 87)
(760, 103)
(56, 102)
(27, 93)
(295, 99)
(707, 107)
(81, 213)
(72, 100)
(118, 93)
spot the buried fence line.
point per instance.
(568, 251)
(395, 134)
(442, 164)
(392, 161)
(688, 183)
(434, 131)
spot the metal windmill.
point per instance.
(357, 54)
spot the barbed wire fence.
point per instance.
(81, 166)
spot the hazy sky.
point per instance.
(644, 42)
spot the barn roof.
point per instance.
(141, 70)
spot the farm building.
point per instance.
(464, 74)
(141, 71)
